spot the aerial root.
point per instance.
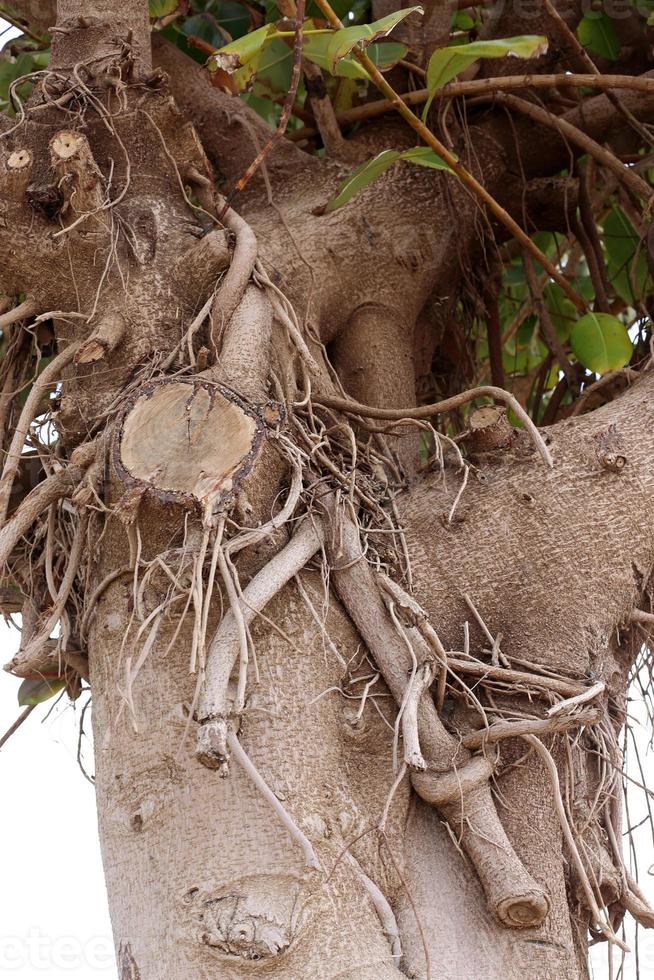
(637, 905)
(416, 687)
(49, 376)
(23, 311)
(232, 288)
(215, 706)
(60, 484)
(253, 773)
(600, 920)
(441, 788)
(382, 908)
(439, 408)
(465, 796)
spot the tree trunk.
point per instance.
(261, 571)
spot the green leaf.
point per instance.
(627, 263)
(597, 33)
(601, 342)
(35, 692)
(384, 55)
(446, 63)
(424, 156)
(563, 312)
(371, 169)
(242, 52)
(162, 8)
(342, 42)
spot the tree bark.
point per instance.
(211, 494)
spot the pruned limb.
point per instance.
(18, 174)
(187, 440)
(105, 338)
(464, 798)
(459, 782)
(214, 707)
(490, 429)
(79, 177)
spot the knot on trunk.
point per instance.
(257, 918)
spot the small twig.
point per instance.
(547, 328)
(508, 675)
(288, 104)
(16, 725)
(538, 726)
(586, 143)
(482, 86)
(587, 695)
(496, 653)
(494, 334)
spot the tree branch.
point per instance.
(223, 122)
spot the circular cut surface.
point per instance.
(189, 438)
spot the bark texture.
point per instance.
(255, 581)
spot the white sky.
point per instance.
(54, 920)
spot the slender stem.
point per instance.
(23, 716)
(483, 86)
